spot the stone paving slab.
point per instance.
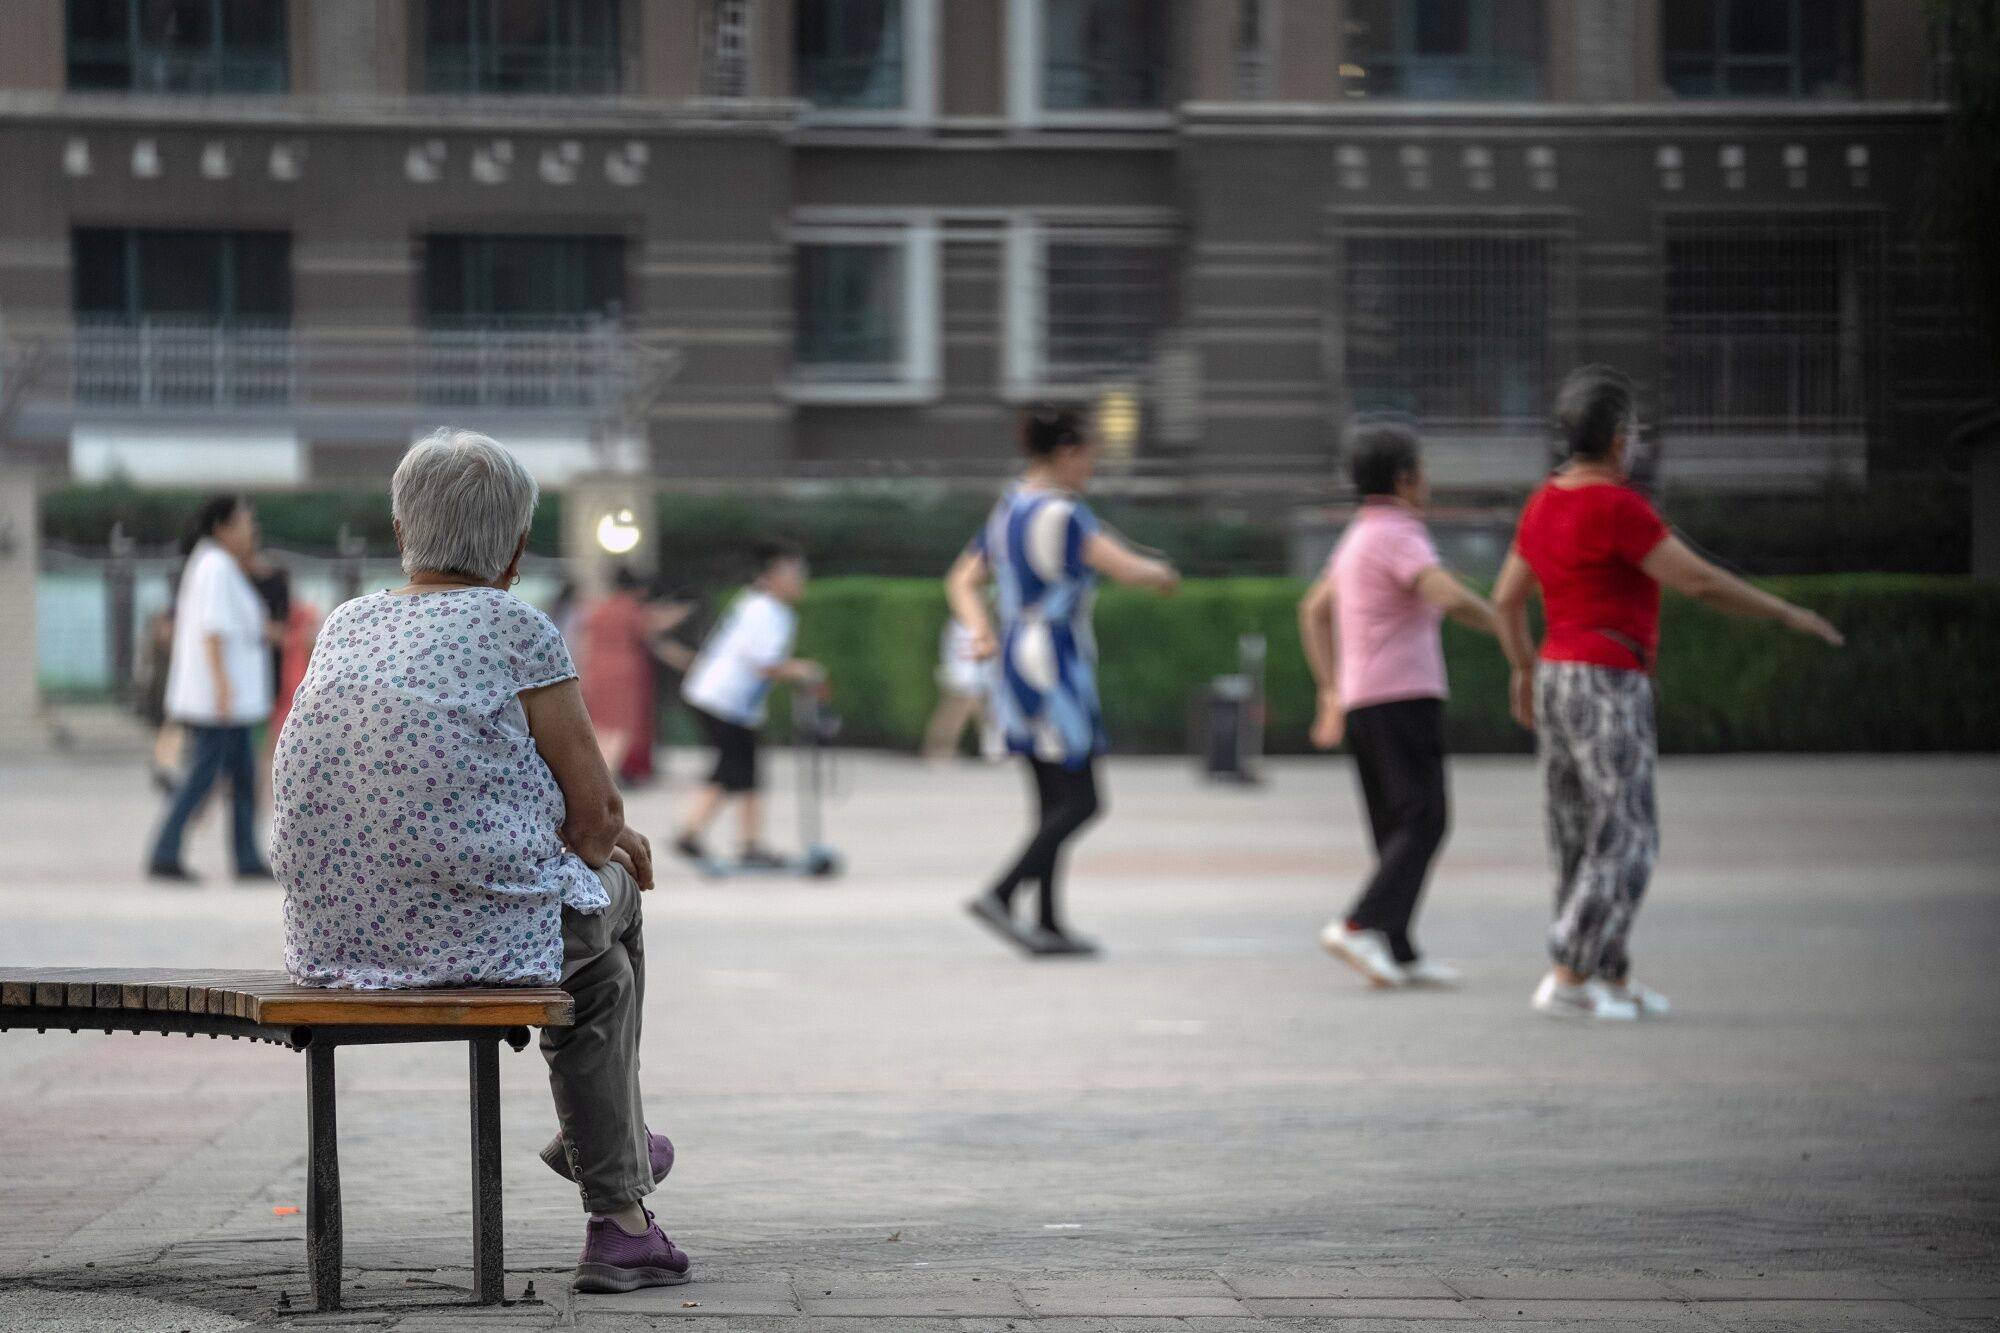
(1782, 1287)
(1364, 1308)
(1353, 1283)
(1556, 1285)
(1822, 1317)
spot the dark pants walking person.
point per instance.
(1399, 756)
(217, 752)
(1067, 798)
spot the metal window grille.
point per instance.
(563, 47)
(1105, 303)
(1443, 49)
(1460, 325)
(849, 54)
(1771, 324)
(1762, 48)
(725, 49)
(193, 46)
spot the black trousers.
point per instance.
(1399, 756)
(1066, 799)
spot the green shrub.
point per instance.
(1917, 673)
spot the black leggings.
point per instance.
(1067, 798)
(1399, 756)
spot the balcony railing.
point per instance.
(146, 68)
(557, 71)
(571, 368)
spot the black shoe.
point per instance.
(173, 875)
(690, 846)
(990, 912)
(761, 858)
(165, 781)
(1045, 942)
(257, 874)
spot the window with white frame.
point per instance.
(865, 60)
(865, 310)
(1089, 60)
(1086, 305)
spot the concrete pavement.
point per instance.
(885, 1121)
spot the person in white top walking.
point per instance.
(218, 684)
(726, 688)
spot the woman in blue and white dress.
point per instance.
(1044, 550)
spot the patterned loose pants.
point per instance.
(1598, 754)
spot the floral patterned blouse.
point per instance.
(416, 831)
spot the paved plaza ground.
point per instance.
(886, 1122)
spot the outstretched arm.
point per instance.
(963, 588)
(1510, 613)
(1677, 567)
(1441, 588)
(1121, 564)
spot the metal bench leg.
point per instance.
(323, 1241)
(489, 1263)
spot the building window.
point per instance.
(1256, 48)
(725, 48)
(178, 46)
(182, 318)
(1086, 306)
(1451, 326)
(522, 321)
(850, 53)
(1443, 50)
(866, 312)
(1762, 48)
(1769, 325)
(1088, 59)
(522, 46)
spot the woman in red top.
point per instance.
(1599, 553)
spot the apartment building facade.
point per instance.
(798, 240)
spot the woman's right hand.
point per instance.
(636, 854)
(1166, 579)
(1329, 726)
(980, 645)
(1521, 698)
(1802, 621)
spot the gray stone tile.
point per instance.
(1822, 1317)
(999, 1301)
(1781, 1287)
(1553, 1285)
(1607, 1313)
(1964, 1307)
(1132, 1294)
(1366, 1308)
(1337, 1282)
(695, 1298)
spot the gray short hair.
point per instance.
(463, 501)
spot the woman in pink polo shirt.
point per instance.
(1370, 630)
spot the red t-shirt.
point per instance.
(1585, 544)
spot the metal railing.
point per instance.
(558, 71)
(573, 367)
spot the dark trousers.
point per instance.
(218, 752)
(1066, 800)
(1399, 756)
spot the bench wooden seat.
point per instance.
(267, 1006)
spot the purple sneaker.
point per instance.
(659, 1148)
(614, 1261)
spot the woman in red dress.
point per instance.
(616, 655)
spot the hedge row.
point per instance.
(1918, 673)
(1917, 524)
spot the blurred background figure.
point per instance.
(727, 688)
(218, 683)
(1045, 551)
(150, 695)
(620, 637)
(962, 686)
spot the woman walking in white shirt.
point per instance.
(218, 684)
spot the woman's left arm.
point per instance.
(593, 813)
(1121, 564)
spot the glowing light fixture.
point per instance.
(618, 533)
(1118, 422)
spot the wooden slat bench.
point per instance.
(266, 1006)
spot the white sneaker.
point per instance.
(1366, 951)
(1424, 972)
(1593, 999)
(1651, 1003)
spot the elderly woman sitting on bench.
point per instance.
(445, 818)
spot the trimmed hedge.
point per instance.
(1918, 673)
